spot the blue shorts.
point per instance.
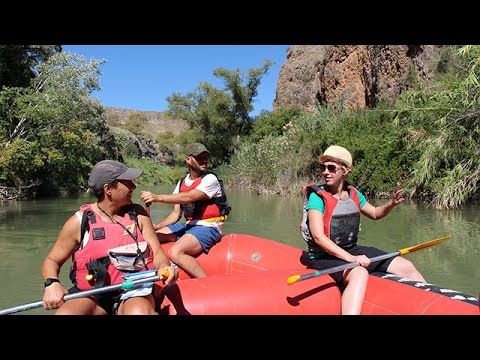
(207, 236)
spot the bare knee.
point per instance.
(174, 253)
(357, 274)
(139, 310)
(405, 268)
(355, 281)
(142, 305)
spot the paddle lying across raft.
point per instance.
(129, 284)
(295, 278)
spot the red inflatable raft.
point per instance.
(247, 276)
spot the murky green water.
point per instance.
(28, 229)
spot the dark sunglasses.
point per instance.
(330, 167)
(127, 183)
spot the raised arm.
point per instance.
(379, 212)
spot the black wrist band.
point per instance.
(50, 281)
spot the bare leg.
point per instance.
(183, 254)
(405, 268)
(140, 305)
(80, 306)
(356, 281)
(165, 235)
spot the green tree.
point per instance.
(166, 139)
(54, 130)
(220, 116)
(273, 123)
(18, 63)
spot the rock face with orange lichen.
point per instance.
(351, 76)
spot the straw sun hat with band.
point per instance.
(337, 153)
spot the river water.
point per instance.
(28, 230)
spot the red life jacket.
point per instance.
(330, 205)
(204, 209)
(93, 257)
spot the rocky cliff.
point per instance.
(351, 76)
(146, 146)
(157, 122)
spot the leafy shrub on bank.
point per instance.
(273, 123)
(273, 164)
(286, 163)
(153, 173)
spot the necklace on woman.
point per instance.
(134, 237)
(111, 219)
(339, 195)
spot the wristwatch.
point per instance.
(50, 281)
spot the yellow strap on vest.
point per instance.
(214, 219)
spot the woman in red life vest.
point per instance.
(331, 224)
(93, 236)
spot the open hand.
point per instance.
(397, 195)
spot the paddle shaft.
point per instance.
(85, 293)
(345, 266)
(295, 278)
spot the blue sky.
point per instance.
(140, 77)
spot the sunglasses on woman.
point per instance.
(330, 167)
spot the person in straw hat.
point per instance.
(330, 226)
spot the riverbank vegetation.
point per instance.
(52, 131)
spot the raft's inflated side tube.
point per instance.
(388, 297)
(254, 293)
(257, 270)
(241, 253)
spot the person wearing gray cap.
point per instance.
(107, 240)
(200, 196)
(331, 224)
